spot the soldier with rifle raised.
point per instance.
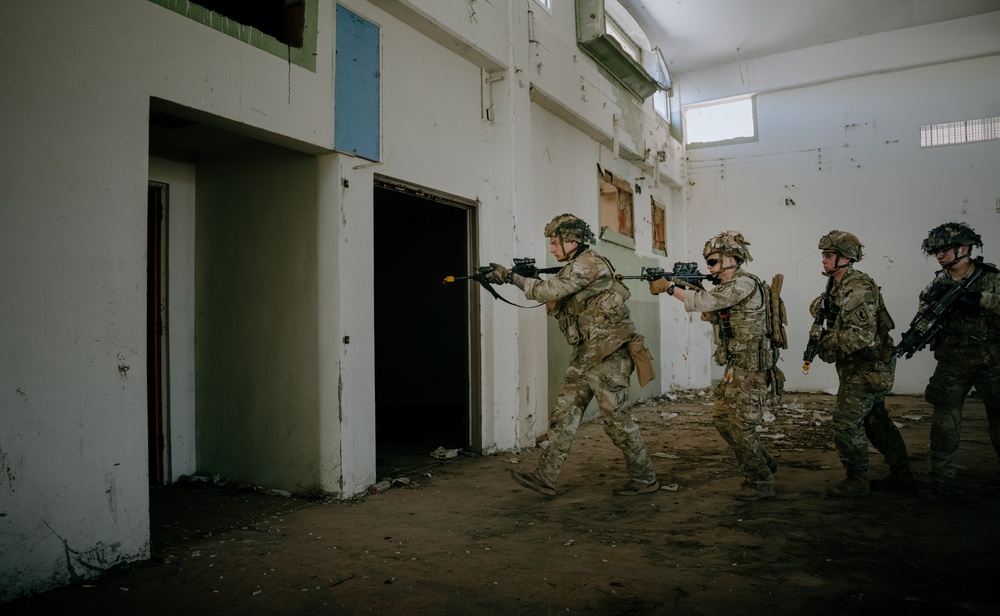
(589, 304)
(740, 309)
(959, 317)
(852, 331)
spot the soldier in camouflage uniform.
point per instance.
(740, 317)
(857, 340)
(967, 349)
(589, 305)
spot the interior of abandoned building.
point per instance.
(227, 229)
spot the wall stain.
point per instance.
(94, 561)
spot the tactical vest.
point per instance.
(881, 349)
(597, 315)
(965, 325)
(743, 331)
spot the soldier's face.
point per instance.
(715, 262)
(561, 249)
(948, 255)
(831, 260)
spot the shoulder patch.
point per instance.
(858, 298)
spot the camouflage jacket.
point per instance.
(737, 310)
(589, 306)
(964, 325)
(860, 330)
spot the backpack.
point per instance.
(778, 318)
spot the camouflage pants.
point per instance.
(861, 417)
(740, 399)
(957, 371)
(609, 382)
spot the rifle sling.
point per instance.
(493, 292)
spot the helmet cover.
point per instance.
(843, 243)
(570, 228)
(729, 243)
(949, 235)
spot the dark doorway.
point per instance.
(155, 302)
(424, 346)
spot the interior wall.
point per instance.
(256, 288)
(73, 178)
(566, 180)
(847, 154)
(179, 414)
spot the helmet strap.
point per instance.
(958, 258)
(839, 267)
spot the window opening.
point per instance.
(546, 4)
(628, 45)
(282, 19)
(661, 98)
(721, 123)
(616, 205)
(283, 28)
(659, 217)
(955, 133)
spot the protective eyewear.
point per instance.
(711, 262)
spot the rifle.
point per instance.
(827, 312)
(524, 267)
(685, 274)
(937, 304)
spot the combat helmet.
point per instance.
(843, 243)
(728, 243)
(949, 235)
(570, 228)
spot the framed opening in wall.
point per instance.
(658, 215)
(616, 209)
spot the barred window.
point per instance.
(953, 133)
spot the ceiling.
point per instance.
(696, 34)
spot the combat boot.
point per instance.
(772, 465)
(758, 490)
(856, 484)
(532, 482)
(900, 479)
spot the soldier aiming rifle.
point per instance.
(685, 274)
(522, 267)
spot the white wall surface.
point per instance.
(847, 153)
(840, 140)
(73, 172)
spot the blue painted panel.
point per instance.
(356, 127)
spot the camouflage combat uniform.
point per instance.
(739, 315)
(858, 341)
(592, 314)
(968, 354)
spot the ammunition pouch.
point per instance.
(643, 360)
(755, 356)
(568, 326)
(882, 376)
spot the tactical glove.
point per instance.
(660, 285)
(827, 349)
(498, 275)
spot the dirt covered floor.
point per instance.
(462, 538)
